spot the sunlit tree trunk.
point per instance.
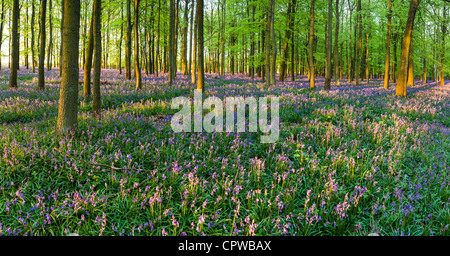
(311, 41)
(388, 49)
(406, 45)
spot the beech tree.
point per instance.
(68, 94)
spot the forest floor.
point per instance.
(350, 161)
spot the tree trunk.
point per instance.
(97, 25)
(88, 61)
(62, 36)
(336, 42)
(171, 40)
(2, 17)
(68, 94)
(406, 45)
(311, 41)
(358, 57)
(294, 3)
(388, 45)
(194, 48)
(274, 46)
(137, 66)
(327, 85)
(444, 33)
(33, 62)
(283, 70)
(201, 74)
(15, 45)
(128, 43)
(41, 81)
(50, 44)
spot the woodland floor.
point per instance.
(350, 161)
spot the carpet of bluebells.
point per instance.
(351, 161)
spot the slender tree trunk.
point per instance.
(194, 47)
(444, 33)
(62, 36)
(120, 43)
(367, 44)
(283, 70)
(88, 62)
(50, 43)
(97, 25)
(336, 42)
(137, 66)
(201, 74)
(388, 49)
(68, 94)
(15, 45)
(171, 40)
(128, 43)
(311, 41)
(294, 3)
(406, 45)
(358, 57)
(2, 17)
(327, 85)
(33, 61)
(41, 81)
(274, 46)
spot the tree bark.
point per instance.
(88, 61)
(15, 45)
(50, 44)
(41, 81)
(444, 32)
(128, 43)
(137, 66)
(358, 57)
(336, 42)
(171, 40)
(68, 96)
(97, 16)
(311, 41)
(388, 45)
(201, 74)
(327, 85)
(406, 45)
